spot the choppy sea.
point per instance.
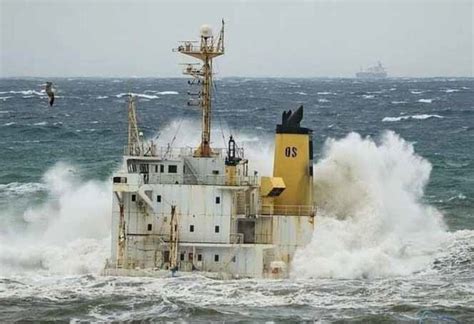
(394, 184)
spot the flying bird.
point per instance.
(50, 93)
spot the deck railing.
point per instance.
(171, 153)
(288, 210)
(215, 180)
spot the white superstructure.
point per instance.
(178, 209)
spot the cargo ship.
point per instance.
(180, 209)
(373, 72)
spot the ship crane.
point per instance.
(209, 48)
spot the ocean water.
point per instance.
(394, 184)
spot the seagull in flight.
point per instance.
(50, 93)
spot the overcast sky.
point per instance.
(263, 38)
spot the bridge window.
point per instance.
(172, 168)
(120, 180)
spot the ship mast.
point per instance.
(133, 134)
(208, 49)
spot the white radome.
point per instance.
(205, 31)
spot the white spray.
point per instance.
(67, 234)
(371, 220)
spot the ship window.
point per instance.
(158, 198)
(162, 168)
(134, 197)
(181, 257)
(143, 168)
(216, 257)
(149, 227)
(172, 168)
(191, 228)
(218, 200)
(215, 172)
(199, 257)
(216, 228)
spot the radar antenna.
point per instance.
(206, 51)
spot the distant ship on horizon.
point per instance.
(373, 72)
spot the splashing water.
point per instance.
(67, 234)
(371, 219)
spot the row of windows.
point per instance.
(172, 168)
(216, 228)
(191, 228)
(199, 257)
(158, 198)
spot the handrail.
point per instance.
(170, 153)
(195, 179)
(288, 210)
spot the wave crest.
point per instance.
(371, 220)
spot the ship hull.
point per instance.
(219, 227)
(369, 75)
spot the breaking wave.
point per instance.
(419, 117)
(16, 188)
(425, 100)
(140, 95)
(167, 92)
(27, 92)
(371, 219)
(66, 234)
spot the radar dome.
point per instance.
(205, 31)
